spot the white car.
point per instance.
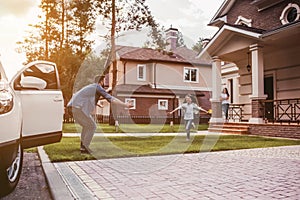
(31, 114)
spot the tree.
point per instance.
(180, 40)
(198, 46)
(81, 25)
(61, 37)
(123, 15)
(158, 38)
(93, 64)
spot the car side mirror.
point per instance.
(31, 82)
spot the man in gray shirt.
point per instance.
(83, 103)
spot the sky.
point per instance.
(189, 16)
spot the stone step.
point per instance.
(231, 126)
(228, 130)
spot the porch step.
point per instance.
(229, 128)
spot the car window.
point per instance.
(46, 72)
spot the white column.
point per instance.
(216, 91)
(236, 89)
(257, 71)
(257, 83)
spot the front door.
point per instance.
(269, 90)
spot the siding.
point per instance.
(266, 19)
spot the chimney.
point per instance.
(171, 35)
(205, 42)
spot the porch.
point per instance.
(281, 119)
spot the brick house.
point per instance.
(256, 56)
(156, 81)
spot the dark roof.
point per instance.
(179, 55)
(247, 28)
(266, 32)
(283, 27)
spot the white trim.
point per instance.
(283, 16)
(138, 72)
(160, 104)
(254, 97)
(229, 28)
(146, 96)
(197, 75)
(133, 103)
(224, 8)
(216, 120)
(184, 87)
(242, 20)
(255, 120)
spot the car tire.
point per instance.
(9, 177)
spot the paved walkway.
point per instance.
(268, 173)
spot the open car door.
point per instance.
(38, 87)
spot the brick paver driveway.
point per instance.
(270, 173)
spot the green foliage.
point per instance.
(198, 46)
(91, 67)
(62, 34)
(130, 14)
(31, 150)
(158, 38)
(180, 40)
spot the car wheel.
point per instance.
(9, 177)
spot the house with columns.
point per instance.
(255, 54)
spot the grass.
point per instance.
(131, 128)
(115, 147)
(31, 150)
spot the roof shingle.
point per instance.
(179, 55)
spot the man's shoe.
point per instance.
(84, 149)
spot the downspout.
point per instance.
(155, 75)
(124, 74)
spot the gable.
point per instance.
(231, 39)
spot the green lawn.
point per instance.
(131, 128)
(114, 147)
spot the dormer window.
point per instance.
(243, 21)
(290, 13)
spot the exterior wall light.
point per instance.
(248, 66)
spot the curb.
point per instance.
(57, 186)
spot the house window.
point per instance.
(190, 74)
(131, 101)
(290, 13)
(141, 72)
(162, 104)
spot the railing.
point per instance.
(283, 110)
(235, 112)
